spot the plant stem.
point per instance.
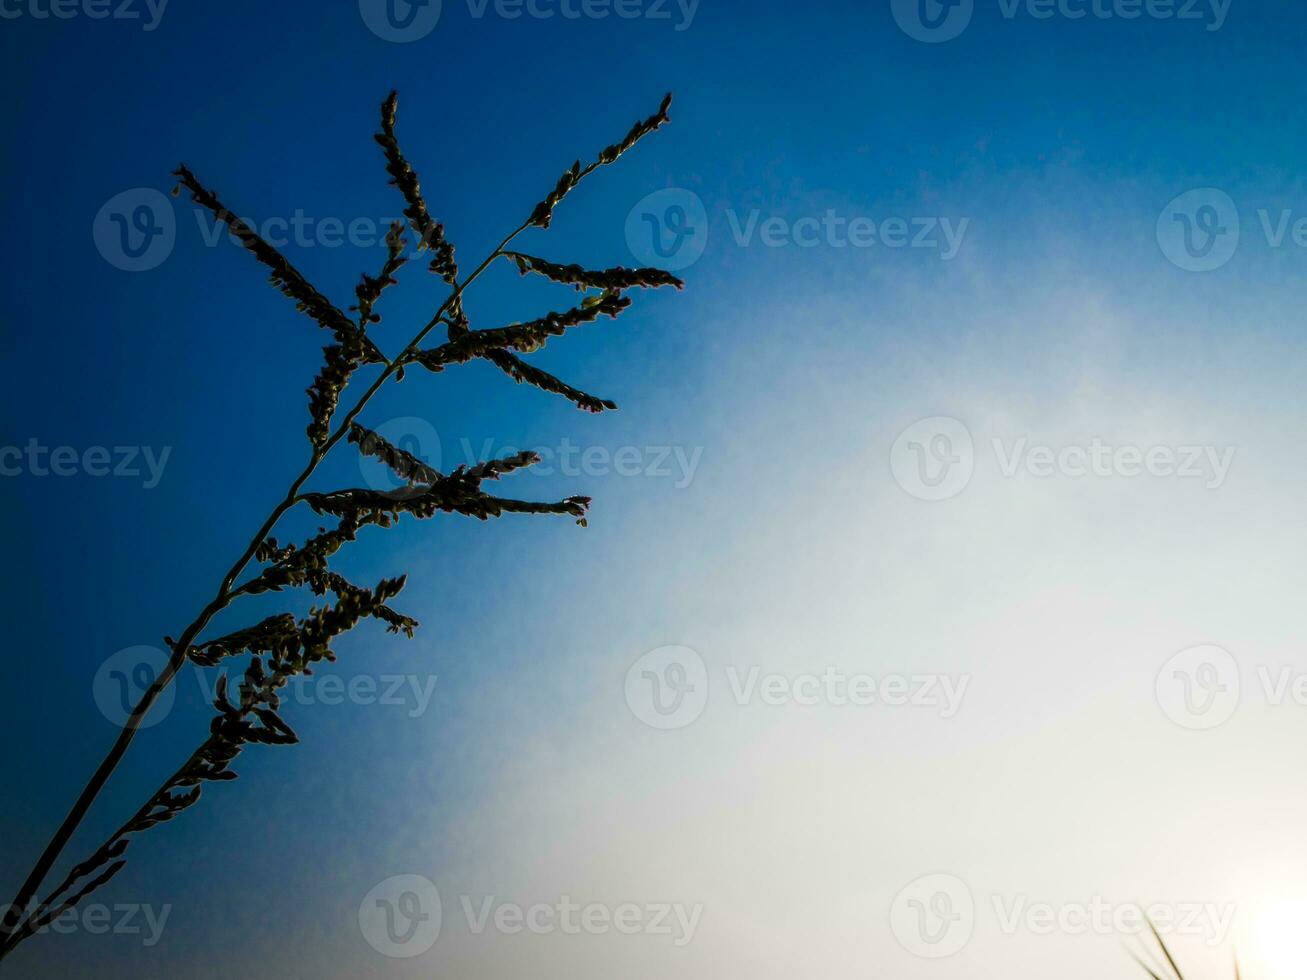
(14, 914)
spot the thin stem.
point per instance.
(10, 935)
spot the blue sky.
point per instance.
(763, 514)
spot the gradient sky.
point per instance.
(759, 522)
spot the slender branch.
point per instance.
(10, 933)
(353, 347)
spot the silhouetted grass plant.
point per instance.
(1166, 968)
(283, 646)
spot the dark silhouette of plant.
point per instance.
(282, 646)
(1170, 971)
